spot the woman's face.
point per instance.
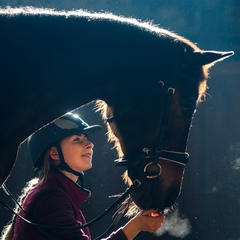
(77, 152)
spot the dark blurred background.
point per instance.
(209, 205)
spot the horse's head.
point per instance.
(150, 121)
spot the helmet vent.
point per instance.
(65, 124)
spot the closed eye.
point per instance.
(79, 138)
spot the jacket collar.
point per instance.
(77, 193)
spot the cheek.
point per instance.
(71, 154)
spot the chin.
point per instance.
(86, 168)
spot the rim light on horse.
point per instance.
(53, 62)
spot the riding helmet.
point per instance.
(65, 126)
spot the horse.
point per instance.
(147, 81)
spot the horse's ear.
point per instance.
(210, 57)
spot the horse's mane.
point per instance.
(147, 25)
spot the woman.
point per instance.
(61, 152)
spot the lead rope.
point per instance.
(116, 220)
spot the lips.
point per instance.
(88, 155)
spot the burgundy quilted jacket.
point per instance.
(56, 203)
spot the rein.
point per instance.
(116, 218)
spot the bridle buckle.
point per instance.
(152, 170)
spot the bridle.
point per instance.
(152, 155)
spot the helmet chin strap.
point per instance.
(64, 166)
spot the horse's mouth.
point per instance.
(151, 196)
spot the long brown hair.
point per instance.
(42, 175)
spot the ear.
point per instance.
(53, 153)
(210, 57)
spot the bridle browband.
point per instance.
(156, 152)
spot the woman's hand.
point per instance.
(148, 220)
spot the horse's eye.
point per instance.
(187, 109)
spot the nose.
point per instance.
(89, 145)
